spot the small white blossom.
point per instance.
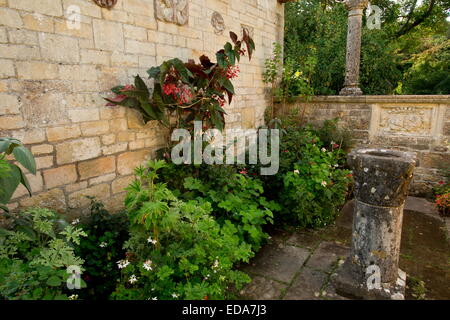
(123, 263)
(323, 183)
(296, 171)
(216, 264)
(150, 240)
(174, 295)
(336, 165)
(73, 297)
(103, 244)
(148, 265)
(323, 150)
(133, 279)
(154, 298)
(76, 221)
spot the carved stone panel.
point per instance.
(217, 22)
(108, 4)
(405, 120)
(173, 11)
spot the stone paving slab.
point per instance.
(307, 286)
(263, 289)
(280, 262)
(299, 264)
(326, 255)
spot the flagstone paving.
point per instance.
(299, 264)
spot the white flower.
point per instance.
(154, 298)
(73, 297)
(323, 150)
(323, 183)
(147, 265)
(103, 244)
(150, 240)
(336, 165)
(133, 279)
(296, 171)
(123, 263)
(216, 264)
(174, 295)
(76, 221)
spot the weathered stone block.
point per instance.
(36, 70)
(77, 150)
(53, 199)
(108, 35)
(126, 162)
(11, 122)
(59, 48)
(44, 162)
(51, 8)
(95, 128)
(121, 183)
(97, 167)
(60, 176)
(9, 104)
(6, 68)
(115, 148)
(62, 133)
(82, 115)
(78, 199)
(41, 149)
(10, 18)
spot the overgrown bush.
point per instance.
(177, 249)
(35, 254)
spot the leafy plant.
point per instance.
(35, 254)
(100, 249)
(177, 250)
(12, 175)
(187, 91)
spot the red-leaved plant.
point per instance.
(185, 92)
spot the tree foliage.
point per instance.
(407, 55)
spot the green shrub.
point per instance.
(177, 250)
(35, 254)
(315, 188)
(103, 246)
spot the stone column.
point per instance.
(353, 55)
(382, 178)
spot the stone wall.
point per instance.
(413, 123)
(53, 78)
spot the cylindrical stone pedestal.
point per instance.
(382, 178)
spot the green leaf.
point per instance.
(229, 86)
(54, 281)
(25, 158)
(9, 183)
(24, 181)
(153, 72)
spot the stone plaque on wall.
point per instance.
(405, 120)
(173, 11)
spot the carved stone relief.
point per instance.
(173, 11)
(404, 120)
(217, 22)
(108, 4)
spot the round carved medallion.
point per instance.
(108, 4)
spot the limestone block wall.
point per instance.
(53, 78)
(411, 123)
